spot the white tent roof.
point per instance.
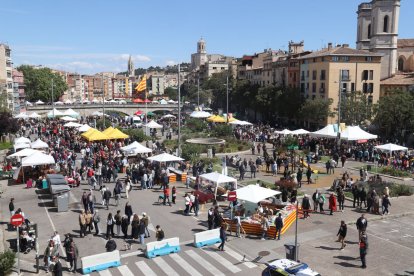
(135, 148)
(58, 103)
(255, 193)
(36, 159)
(34, 115)
(163, 101)
(218, 177)
(68, 119)
(352, 133)
(39, 144)
(72, 124)
(327, 132)
(391, 147)
(171, 101)
(39, 102)
(153, 124)
(84, 128)
(29, 103)
(300, 132)
(97, 113)
(56, 113)
(200, 114)
(22, 140)
(23, 153)
(21, 116)
(241, 123)
(21, 146)
(284, 132)
(71, 112)
(165, 157)
(68, 101)
(85, 101)
(168, 116)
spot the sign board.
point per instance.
(231, 196)
(17, 220)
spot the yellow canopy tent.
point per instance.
(89, 131)
(232, 119)
(95, 135)
(108, 130)
(216, 119)
(117, 134)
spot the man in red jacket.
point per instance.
(167, 194)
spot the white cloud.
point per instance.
(135, 58)
(77, 65)
(170, 62)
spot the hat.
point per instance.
(144, 214)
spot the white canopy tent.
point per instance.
(284, 132)
(68, 119)
(54, 113)
(135, 148)
(168, 116)
(21, 146)
(165, 157)
(39, 144)
(162, 101)
(84, 128)
(29, 103)
(172, 101)
(391, 147)
(326, 132)
(72, 124)
(300, 132)
(218, 178)
(241, 123)
(39, 102)
(21, 116)
(97, 113)
(255, 193)
(34, 115)
(353, 133)
(153, 124)
(23, 153)
(36, 159)
(85, 102)
(200, 114)
(68, 101)
(58, 103)
(70, 112)
(22, 140)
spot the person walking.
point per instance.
(362, 198)
(321, 201)
(89, 223)
(305, 206)
(363, 250)
(146, 221)
(332, 204)
(315, 200)
(117, 219)
(135, 227)
(73, 255)
(167, 195)
(82, 224)
(279, 226)
(57, 268)
(385, 203)
(341, 198)
(128, 210)
(107, 196)
(223, 237)
(356, 195)
(265, 226)
(141, 232)
(110, 226)
(187, 203)
(96, 219)
(210, 218)
(196, 205)
(124, 225)
(309, 174)
(342, 234)
(159, 233)
(11, 206)
(361, 224)
(299, 175)
(173, 194)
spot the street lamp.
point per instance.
(179, 113)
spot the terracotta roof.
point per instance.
(340, 51)
(400, 79)
(405, 43)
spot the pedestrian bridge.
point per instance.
(88, 109)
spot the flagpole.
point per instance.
(146, 107)
(179, 113)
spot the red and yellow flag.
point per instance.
(142, 85)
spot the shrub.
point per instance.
(7, 259)
(191, 151)
(100, 124)
(196, 125)
(222, 130)
(395, 172)
(401, 190)
(136, 134)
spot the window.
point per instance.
(385, 27)
(322, 88)
(302, 88)
(323, 76)
(307, 73)
(314, 75)
(371, 74)
(323, 59)
(368, 87)
(352, 86)
(214, 68)
(307, 87)
(335, 58)
(344, 87)
(344, 75)
(401, 64)
(313, 97)
(313, 87)
(294, 76)
(9, 74)
(365, 75)
(368, 58)
(314, 59)
(369, 30)
(345, 58)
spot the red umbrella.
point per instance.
(138, 112)
(138, 100)
(147, 101)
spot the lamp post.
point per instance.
(227, 96)
(103, 102)
(179, 113)
(53, 102)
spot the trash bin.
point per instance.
(290, 251)
(60, 194)
(209, 153)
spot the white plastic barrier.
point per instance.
(100, 261)
(164, 247)
(207, 237)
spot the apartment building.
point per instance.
(6, 78)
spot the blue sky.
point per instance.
(94, 36)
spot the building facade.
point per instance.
(157, 85)
(19, 94)
(324, 73)
(6, 78)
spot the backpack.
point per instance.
(161, 234)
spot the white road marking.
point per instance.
(105, 272)
(408, 236)
(185, 265)
(165, 267)
(135, 253)
(200, 260)
(226, 263)
(145, 269)
(239, 257)
(125, 270)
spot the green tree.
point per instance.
(394, 115)
(39, 84)
(216, 85)
(266, 101)
(355, 109)
(222, 130)
(8, 124)
(171, 93)
(316, 111)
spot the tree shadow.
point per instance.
(328, 248)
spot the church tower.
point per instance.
(131, 71)
(378, 32)
(201, 46)
(199, 58)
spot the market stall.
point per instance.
(214, 179)
(249, 198)
(165, 158)
(39, 160)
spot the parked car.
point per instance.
(286, 267)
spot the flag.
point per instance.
(142, 85)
